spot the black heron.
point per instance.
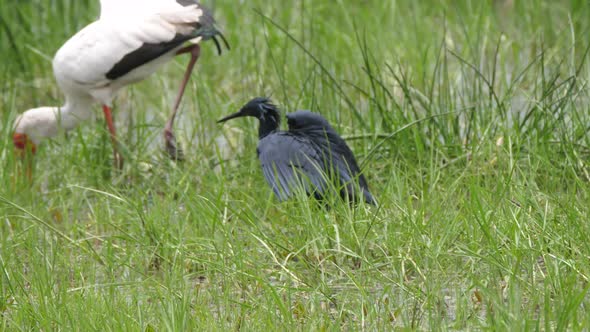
(310, 155)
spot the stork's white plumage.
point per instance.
(130, 41)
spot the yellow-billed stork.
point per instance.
(130, 41)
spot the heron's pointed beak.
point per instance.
(238, 114)
(24, 150)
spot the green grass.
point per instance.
(470, 118)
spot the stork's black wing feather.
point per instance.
(290, 162)
(144, 54)
(147, 52)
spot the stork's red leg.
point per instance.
(174, 152)
(186, 49)
(118, 159)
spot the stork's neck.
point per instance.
(45, 122)
(75, 110)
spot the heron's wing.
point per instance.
(290, 162)
(342, 160)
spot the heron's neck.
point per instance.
(269, 122)
(267, 127)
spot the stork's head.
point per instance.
(24, 128)
(262, 109)
(29, 129)
(33, 126)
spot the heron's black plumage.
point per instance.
(309, 156)
(289, 162)
(336, 153)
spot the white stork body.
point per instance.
(83, 62)
(130, 41)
